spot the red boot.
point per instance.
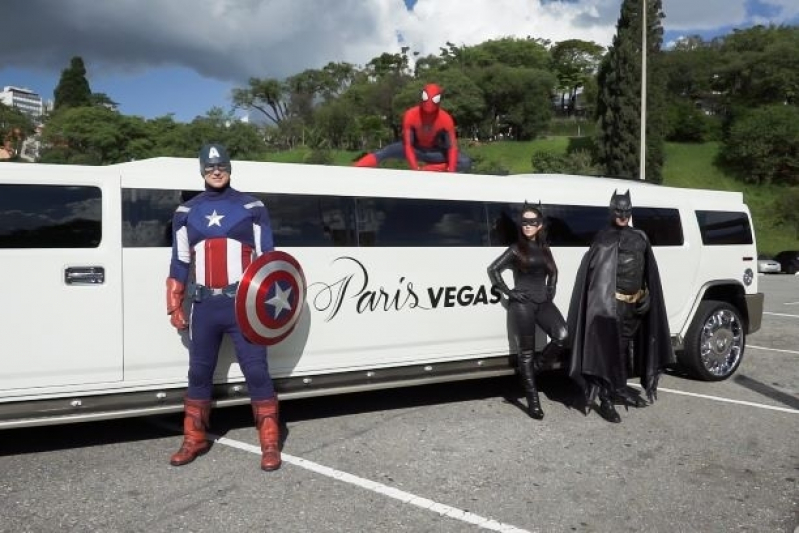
(369, 160)
(265, 413)
(195, 422)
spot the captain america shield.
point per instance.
(270, 298)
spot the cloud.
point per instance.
(232, 40)
(228, 40)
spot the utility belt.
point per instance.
(631, 298)
(201, 292)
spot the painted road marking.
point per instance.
(771, 349)
(724, 400)
(780, 314)
(404, 497)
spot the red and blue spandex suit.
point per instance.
(220, 232)
(428, 135)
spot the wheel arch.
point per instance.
(725, 290)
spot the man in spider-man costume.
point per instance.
(217, 234)
(428, 135)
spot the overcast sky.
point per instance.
(184, 56)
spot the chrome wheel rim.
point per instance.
(722, 342)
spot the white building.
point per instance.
(25, 100)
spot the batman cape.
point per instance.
(595, 329)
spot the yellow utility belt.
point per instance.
(630, 298)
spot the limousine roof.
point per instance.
(253, 176)
(167, 172)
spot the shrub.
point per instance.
(763, 145)
(319, 157)
(688, 123)
(579, 162)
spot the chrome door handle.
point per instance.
(92, 275)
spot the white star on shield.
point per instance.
(280, 300)
(214, 219)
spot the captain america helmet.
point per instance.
(214, 156)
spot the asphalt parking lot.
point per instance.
(449, 458)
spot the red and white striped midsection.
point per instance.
(221, 261)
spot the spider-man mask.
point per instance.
(431, 98)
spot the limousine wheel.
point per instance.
(714, 344)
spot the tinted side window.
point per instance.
(724, 227)
(661, 225)
(503, 219)
(147, 216)
(566, 225)
(297, 220)
(309, 220)
(574, 225)
(50, 216)
(411, 222)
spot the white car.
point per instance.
(767, 265)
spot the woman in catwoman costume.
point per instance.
(535, 277)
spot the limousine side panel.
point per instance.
(377, 315)
(61, 317)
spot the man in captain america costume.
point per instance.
(428, 135)
(219, 232)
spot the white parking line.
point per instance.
(779, 314)
(726, 400)
(385, 490)
(771, 349)
(791, 303)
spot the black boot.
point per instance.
(527, 374)
(534, 405)
(607, 410)
(633, 399)
(554, 352)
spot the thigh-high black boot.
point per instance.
(527, 374)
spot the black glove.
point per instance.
(518, 295)
(642, 305)
(551, 292)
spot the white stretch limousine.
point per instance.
(395, 263)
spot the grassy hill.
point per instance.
(687, 165)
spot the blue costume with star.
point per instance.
(219, 233)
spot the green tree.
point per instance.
(73, 88)
(85, 135)
(759, 66)
(242, 140)
(619, 102)
(786, 209)
(103, 100)
(15, 126)
(688, 123)
(516, 98)
(270, 96)
(763, 145)
(575, 62)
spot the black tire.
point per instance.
(715, 342)
(791, 269)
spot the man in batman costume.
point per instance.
(617, 317)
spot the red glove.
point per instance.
(174, 303)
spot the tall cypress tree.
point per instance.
(619, 98)
(73, 88)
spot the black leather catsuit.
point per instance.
(530, 303)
